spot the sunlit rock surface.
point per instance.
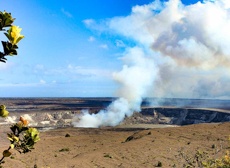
(59, 112)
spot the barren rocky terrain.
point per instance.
(148, 139)
(123, 147)
(60, 112)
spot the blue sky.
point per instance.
(72, 49)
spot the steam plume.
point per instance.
(135, 78)
(190, 44)
(184, 52)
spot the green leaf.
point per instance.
(30, 143)
(33, 134)
(6, 19)
(8, 36)
(24, 128)
(15, 46)
(1, 54)
(13, 128)
(2, 107)
(3, 111)
(19, 38)
(13, 52)
(13, 138)
(5, 47)
(36, 138)
(9, 49)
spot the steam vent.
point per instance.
(60, 112)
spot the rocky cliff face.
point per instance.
(59, 112)
(148, 115)
(177, 116)
(42, 119)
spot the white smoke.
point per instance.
(135, 78)
(191, 49)
(191, 43)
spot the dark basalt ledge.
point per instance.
(53, 112)
(177, 116)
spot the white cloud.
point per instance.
(104, 46)
(88, 72)
(190, 44)
(193, 39)
(89, 22)
(66, 13)
(91, 39)
(92, 24)
(42, 81)
(70, 71)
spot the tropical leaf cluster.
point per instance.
(12, 33)
(22, 138)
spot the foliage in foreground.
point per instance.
(13, 35)
(22, 138)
